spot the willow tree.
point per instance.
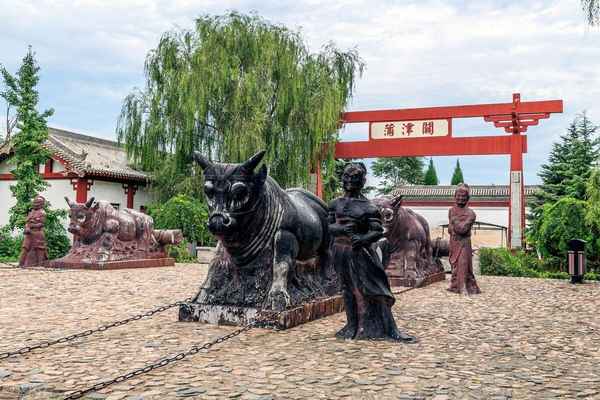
(591, 8)
(236, 84)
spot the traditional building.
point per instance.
(80, 167)
(491, 203)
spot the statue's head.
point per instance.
(461, 195)
(231, 190)
(80, 215)
(38, 203)
(354, 176)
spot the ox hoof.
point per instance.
(279, 300)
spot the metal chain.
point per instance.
(268, 322)
(89, 332)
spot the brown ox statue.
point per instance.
(407, 251)
(102, 233)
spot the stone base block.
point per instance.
(233, 315)
(125, 264)
(410, 282)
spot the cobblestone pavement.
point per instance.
(522, 338)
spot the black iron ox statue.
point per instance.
(273, 249)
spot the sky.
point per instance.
(418, 53)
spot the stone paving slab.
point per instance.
(522, 339)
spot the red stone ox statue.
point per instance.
(407, 250)
(103, 234)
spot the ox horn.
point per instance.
(89, 202)
(69, 202)
(202, 162)
(253, 161)
(397, 201)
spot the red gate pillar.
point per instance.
(516, 210)
(319, 183)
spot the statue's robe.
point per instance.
(461, 253)
(367, 294)
(34, 250)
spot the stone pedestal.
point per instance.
(124, 264)
(398, 275)
(235, 315)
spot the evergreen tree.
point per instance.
(457, 176)
(398, 171)
(431, 177)
(29, 152)
(236, 84)
(567, 172)
(569, 163)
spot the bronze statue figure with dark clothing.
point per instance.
(34, 250)
(460, 221)
(355, 224)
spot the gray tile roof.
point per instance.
(89, 156)
(443, 193)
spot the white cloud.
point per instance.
(418, 53)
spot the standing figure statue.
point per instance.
(461, 219)
(355, 224)
(34, 250)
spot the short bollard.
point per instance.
(576, 260)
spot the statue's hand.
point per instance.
(350, 229)
(358, 241)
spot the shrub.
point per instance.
(10, 245)
(180, 253)
(185, 213)
(561, 222)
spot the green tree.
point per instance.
(457, 176)
(431, 177)
(592, 215)
(560, 222)
(569, 166)
(29, 152)
(398, 171)
(236, 84)
(591, 8)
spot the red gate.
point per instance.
(428, 132)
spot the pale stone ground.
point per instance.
(522, 338)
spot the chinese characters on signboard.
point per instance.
(406, 129)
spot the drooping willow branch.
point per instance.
(236, 84)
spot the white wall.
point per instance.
(142, 197)
(437, 216)
(55, 193)
(59, 188)
(110, 191)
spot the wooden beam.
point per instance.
(429, 146)
(466, 111)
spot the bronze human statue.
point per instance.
(355, 224)
(34, 250)
(460, 221)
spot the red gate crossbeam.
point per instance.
(429, 146)
(468, 111)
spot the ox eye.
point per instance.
(81, 218)
(239, 191)
(209, 189)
